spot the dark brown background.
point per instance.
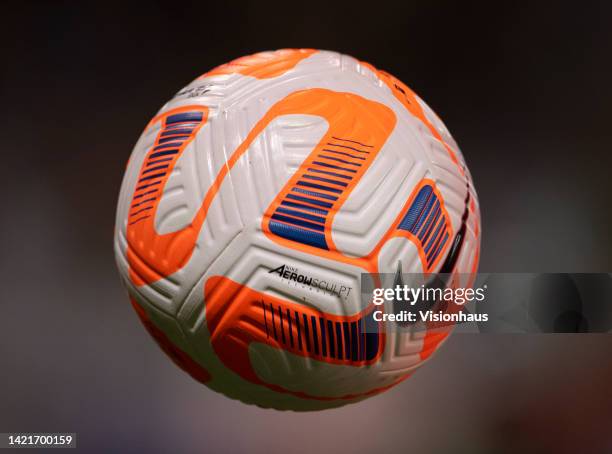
(525, 89)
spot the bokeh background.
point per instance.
(524, 88)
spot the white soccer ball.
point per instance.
(254, 201)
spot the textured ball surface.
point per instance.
(253, 202)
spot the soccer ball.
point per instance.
(253, 202)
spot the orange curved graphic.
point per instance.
(151, 256)
(238, 316)
(369, 262)
(263, 65)
(358, 128)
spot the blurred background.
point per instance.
(524, 88)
